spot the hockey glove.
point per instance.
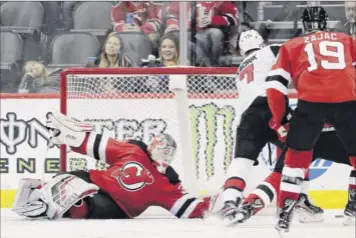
(28, 199)
(282, 127)
(65, 130)
(281, 130)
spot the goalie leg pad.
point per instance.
(97, 206)
(80, 174)
(66, 130)
(63, 191)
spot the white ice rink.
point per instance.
(13, 226)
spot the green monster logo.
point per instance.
(211, 114)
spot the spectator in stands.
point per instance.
(111, 54)
(168, 50)
(138, 16)
(37, 79)
(213, 19)
(168, 57)
(350, 13)
(348, 26)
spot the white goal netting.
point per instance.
(138, 103)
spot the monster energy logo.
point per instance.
(217, 120)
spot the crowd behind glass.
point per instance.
(40, 39)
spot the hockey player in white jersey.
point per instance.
(254, 131)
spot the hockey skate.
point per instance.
(247, 210)
(285, 215)
(350, 209)
(307, 211)
(229, 212)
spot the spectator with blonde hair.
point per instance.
(111, 54)
(37, 79)
(168, 52)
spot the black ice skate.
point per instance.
(229, 212)
(350, 209)
(307, 211)
(230, 209)
(285, 215)
(247, 210)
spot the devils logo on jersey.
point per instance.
(133, 176)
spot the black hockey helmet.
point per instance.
(314, 18)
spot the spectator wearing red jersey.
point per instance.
(132, 16)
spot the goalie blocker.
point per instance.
(138, 176)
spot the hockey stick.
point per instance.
(44, 165)
(48, 146)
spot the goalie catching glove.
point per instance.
(66, 130)
(53, 199)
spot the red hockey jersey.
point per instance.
(147, 15)
(224, 13)
(134, 182)
(321, 66)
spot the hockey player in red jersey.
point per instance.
(328, 147)
(321, 66)
(138, 176)
(251, 139)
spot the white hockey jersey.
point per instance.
(252, 74)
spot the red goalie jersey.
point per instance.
(147, 15)
(134, 182)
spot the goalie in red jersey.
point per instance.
(321, 66)
(138, 176)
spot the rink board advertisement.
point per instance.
(24, 141)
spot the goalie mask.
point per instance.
(163, 148)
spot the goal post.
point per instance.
(195, 105)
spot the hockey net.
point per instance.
(195, 105)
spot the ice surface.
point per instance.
(152, 225)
